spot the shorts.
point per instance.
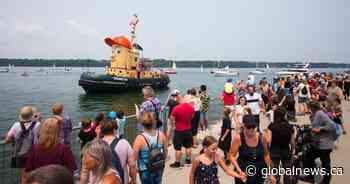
(204, 116)
(232, 107)
(302, 99)
(182, 139)
(195, 123)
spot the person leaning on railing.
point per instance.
(23, 134)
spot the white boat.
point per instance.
(10, 68)
(260, 71)
(223, 72)
(297, 70)
(171, 70)
(4, 70)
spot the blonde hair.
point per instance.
(49, 134)
(57, 109)
(148, 119)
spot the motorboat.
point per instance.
(171, 70)
(4, 70)
(298, 69)
(223, 72)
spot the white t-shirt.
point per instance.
(16, 130)
(239, 110)
(253, 102)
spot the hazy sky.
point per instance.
(272, 30)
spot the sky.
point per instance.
(254, 30)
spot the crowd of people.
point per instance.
(42, 148)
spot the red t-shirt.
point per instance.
(312, 83)
(183, 114)
(229, 99)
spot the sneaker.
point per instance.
(188, 161)
(175, 165)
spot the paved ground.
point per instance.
(340, 157)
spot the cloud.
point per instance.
(30, 28)
(82, 29)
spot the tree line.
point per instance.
(161, 63)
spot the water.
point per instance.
(42, 89)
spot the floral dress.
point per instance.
(206, 174)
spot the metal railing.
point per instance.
(12, 176)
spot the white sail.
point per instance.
(174, 65)
(201, 67)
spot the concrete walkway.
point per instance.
(340, 157)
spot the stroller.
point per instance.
(302, 152)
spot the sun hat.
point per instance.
(175, 92)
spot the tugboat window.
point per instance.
(135, 58)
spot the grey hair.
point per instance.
(100, 151)
(148, 91)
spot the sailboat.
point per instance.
(201, 67)
(171, 70)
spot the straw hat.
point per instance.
(26, 113)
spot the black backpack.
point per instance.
(304, 90)
(156, 160)
(159, 122)
(116, 160)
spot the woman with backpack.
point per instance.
(150, 151)
(24, 134)
(120, 148)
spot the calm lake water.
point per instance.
(42, 89)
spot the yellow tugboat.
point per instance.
(127, 71)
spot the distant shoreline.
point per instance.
(4, 62)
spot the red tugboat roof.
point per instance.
(119, 40)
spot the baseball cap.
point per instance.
(175, 92)
(112, 115)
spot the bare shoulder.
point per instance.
(162, 136)
(111, 179)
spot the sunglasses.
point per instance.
(250, 126)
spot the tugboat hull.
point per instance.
(92, 83)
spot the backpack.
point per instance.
(156, 160)
(116, 160)
(22, 146)
(304, 90)
(337, 130)
(159, 122)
